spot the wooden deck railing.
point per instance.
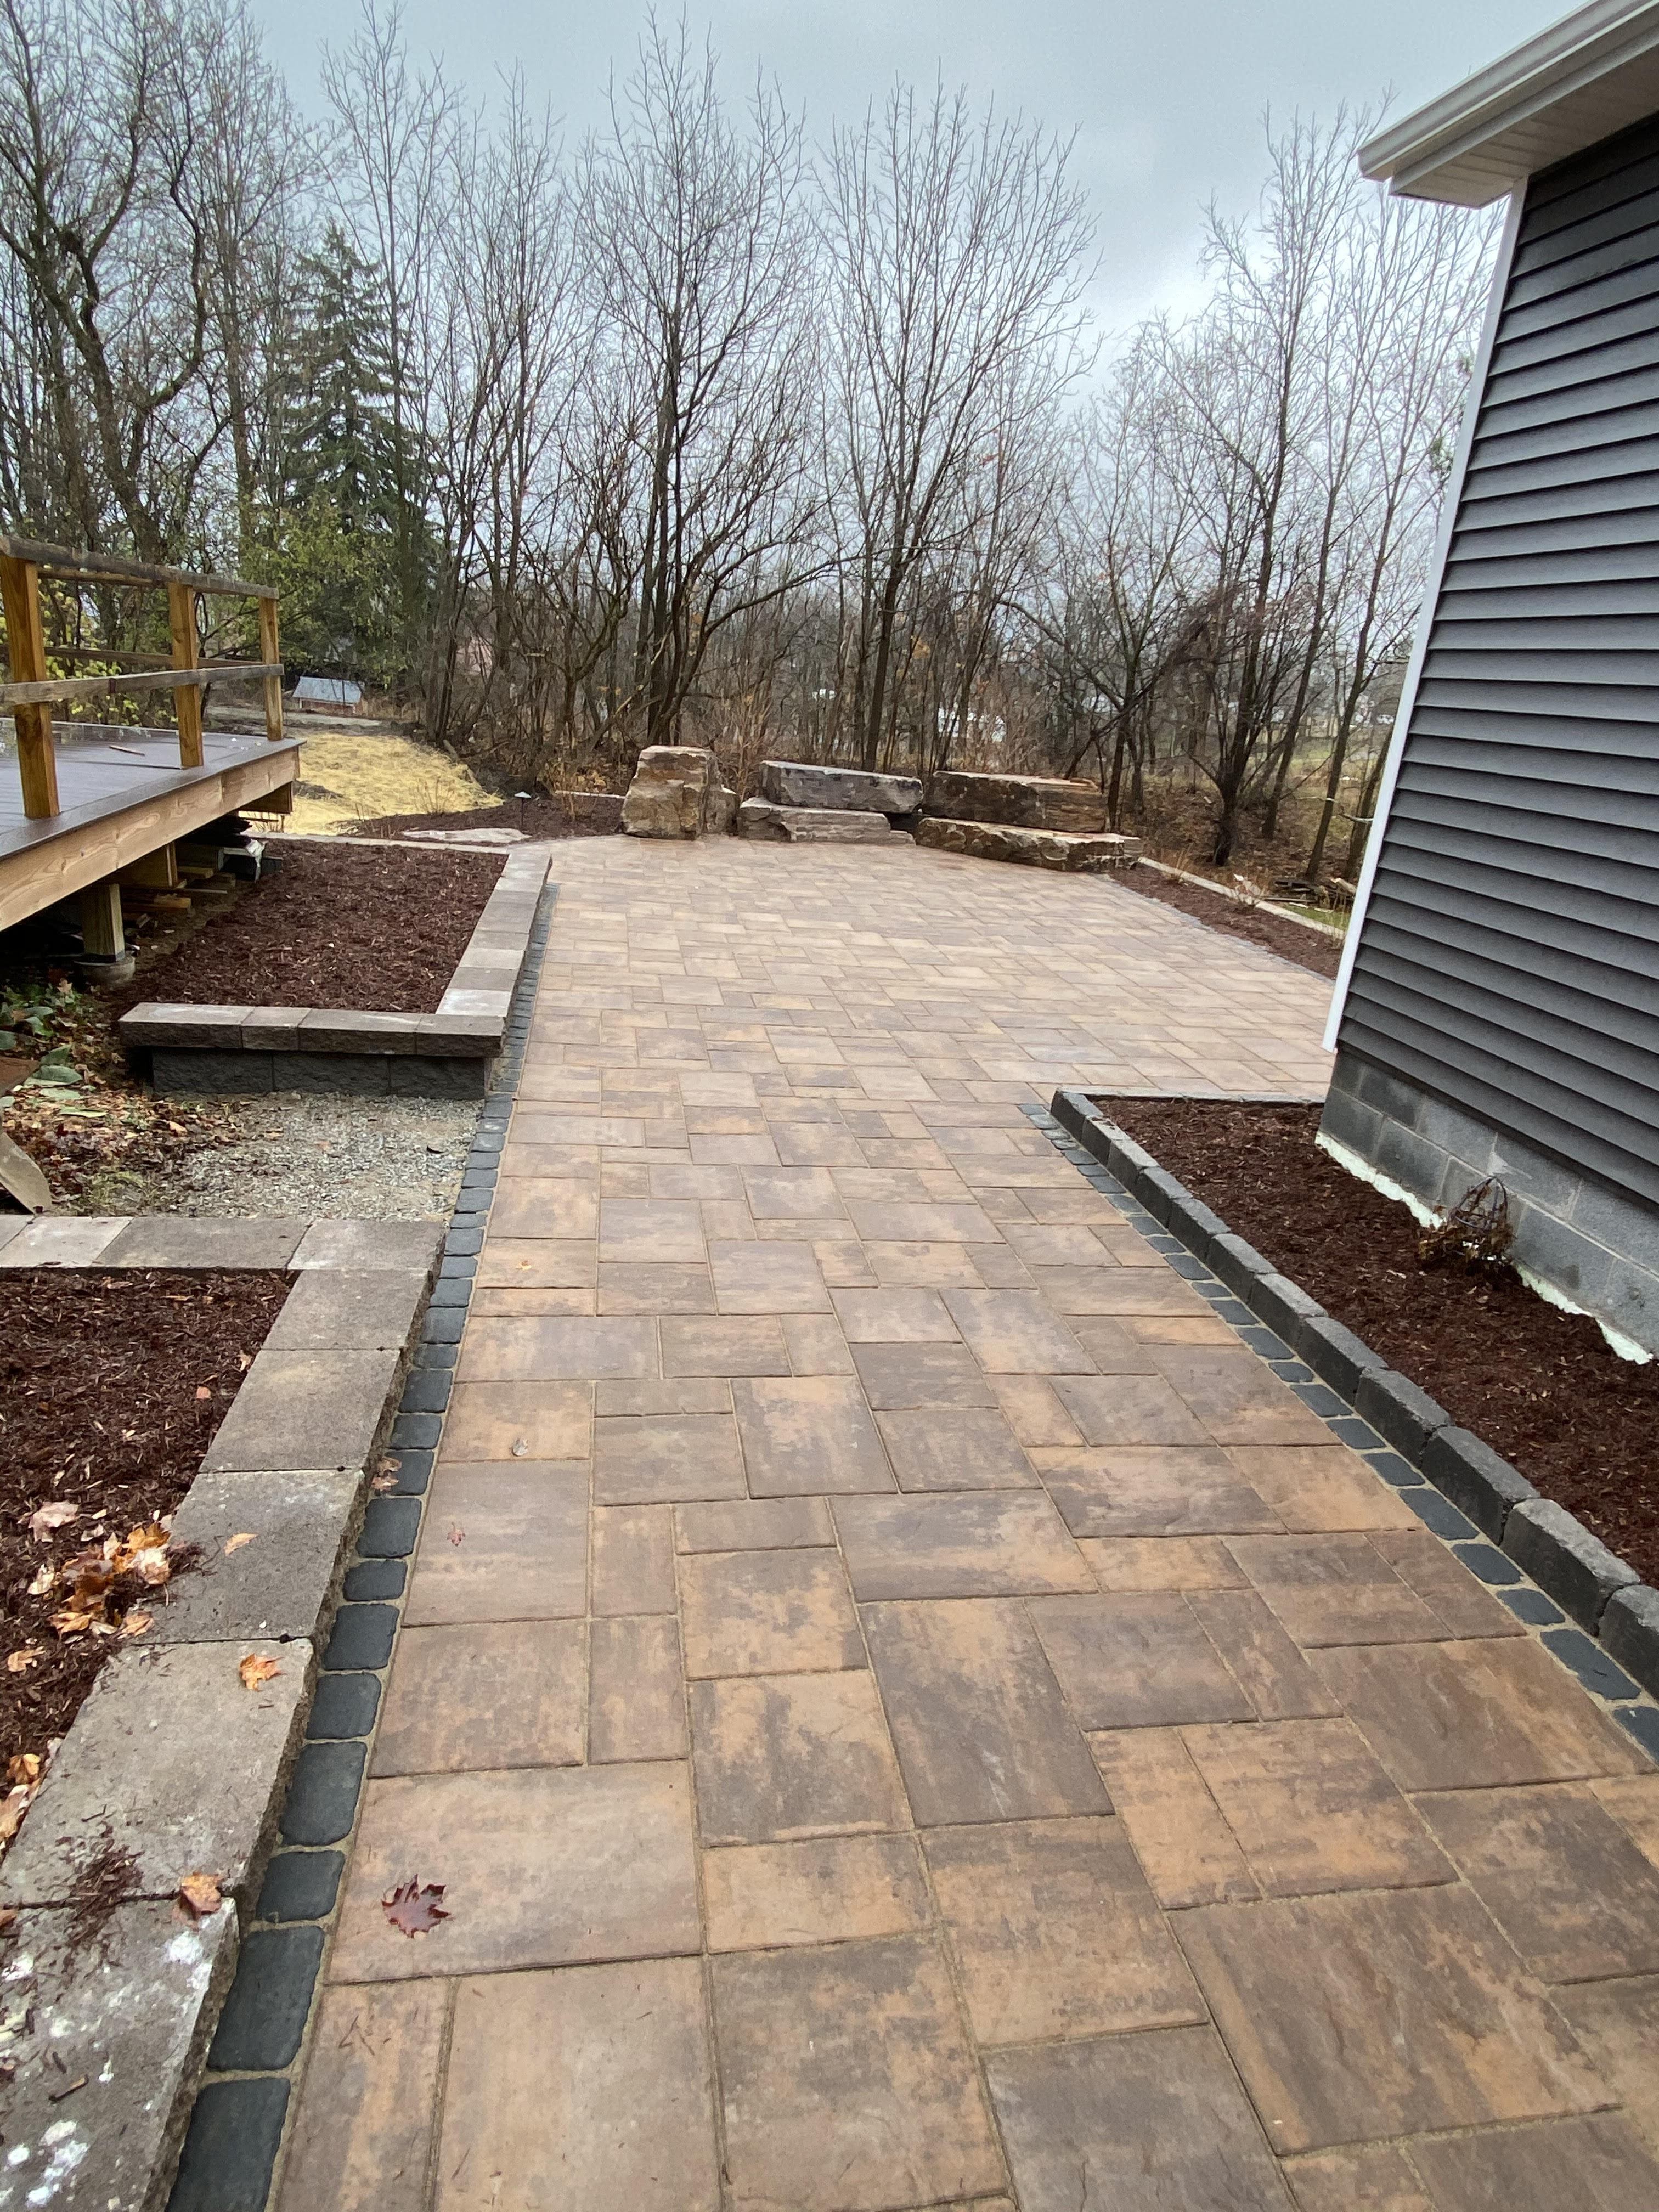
(32, 694)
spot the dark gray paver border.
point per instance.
(238, 2130)
(328, 1409)
(246, 1051)
(1481, 1505)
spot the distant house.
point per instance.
(1498, 1008)
(328, 695)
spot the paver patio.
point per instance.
(907, 1708)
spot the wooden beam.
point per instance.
(156, 871)
(270, 649)
(101, 933)
(116, 568)
(37, 763)
(56, 866)
(181, 621)
(62, 689)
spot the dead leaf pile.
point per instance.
(24, 1775)
(414, 1909)
(91, 1578)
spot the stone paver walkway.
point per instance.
(907, 1710)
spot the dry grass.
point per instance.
(367, 774)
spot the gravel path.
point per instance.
(371, 1159)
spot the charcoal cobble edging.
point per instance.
(237, 2134)
(246, 1051)
(1457, 1486)
(142, 2027)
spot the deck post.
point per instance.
(37, 762)
(101, 932)
(270, 649)
(181, 616)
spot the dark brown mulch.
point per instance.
(337, 925)
(1306, 948)
(1541, 1387)
(567, 814)
(111, 1388)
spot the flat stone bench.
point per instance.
(1020, 802)
(1034, 848)
(816, 826)
(802, 783)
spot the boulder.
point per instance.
(723, 809)
(1023, 802)
(675, 792)
(1035, 848)
(816, 826)
(798, 783)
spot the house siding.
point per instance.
(1508, 962)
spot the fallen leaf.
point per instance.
(19, 1662)
(8, 1914)
(457, 1536)
(135, 1624)
(521, 1447)
(415, 1910)
(256, 1671)
(383, 1482)
(44, 1580)
(235, 1543)
(13, 1806)
(45, 1518)
(23, 1766)
(202, 1390)
(72, 1622)
(199, 1895)
(153, 1569)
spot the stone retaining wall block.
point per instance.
(1400, 1412)
(1335, 1354)
(1476, 1478)
(1563, 1557)
(1630, 1629)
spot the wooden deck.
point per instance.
(123, 795)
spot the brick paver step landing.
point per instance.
(908, 1711)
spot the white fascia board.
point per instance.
(1453, 501)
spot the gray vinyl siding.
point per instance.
(1508, 962)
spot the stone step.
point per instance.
(1035, 848)
(1023, 802)
(801, 783)
(816, 826)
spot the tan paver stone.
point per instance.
(981, 1729)
(1269, 1668)
(493, 1421)
(1121, 1291)
(1325, 1486)
(842, 1264)
(537, 1263)
(833, 1889)
(918, 1378)
(1162, 1562)
(1055, 1931)
(906, 1316)
(808, 1437)
(848, 2080)
(952, 1450)
(1387, 2013)
(768, 1613)
(714, 1148)
(792, 1193)
(1474, 1715)
(765, 1524)
(1135, 2123)
(533, 1350)
(1002, 1543)
(589, 2086)
(636, 1697)
(1060, 1244)
(1633, 1801)
(1190, 1855)
(1155, 1490)
(681, 1180)
(792, 1755)
(1140, 1660)
(649, 1287)
(502, 1541)
(541, 1867)
(650, 1459)
(657, 1230)
(1237, 1397)
(549, 1206)
(1312, 1809)
(816, 1345)
(1126, 1409)
(1016, 1333)
(1033, 1412)
(1335, 1589)
(1116, 1346)
(1373, 2178)
(1618, 2024)
(816, 1145)
(1598, 2164)
(767, 1278)
(899, 1221)
(924, 1265)
(731, 1345)
(495, 1693)
(361, 2135)
(633, 1560)
(1463, 1605)
(1558, 1874)
(673, 1394)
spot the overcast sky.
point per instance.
(1166, 96)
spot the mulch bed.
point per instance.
(1540, 1386)
(567, 814)
(1306, 948)
(111, 1388)
(336, 926)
